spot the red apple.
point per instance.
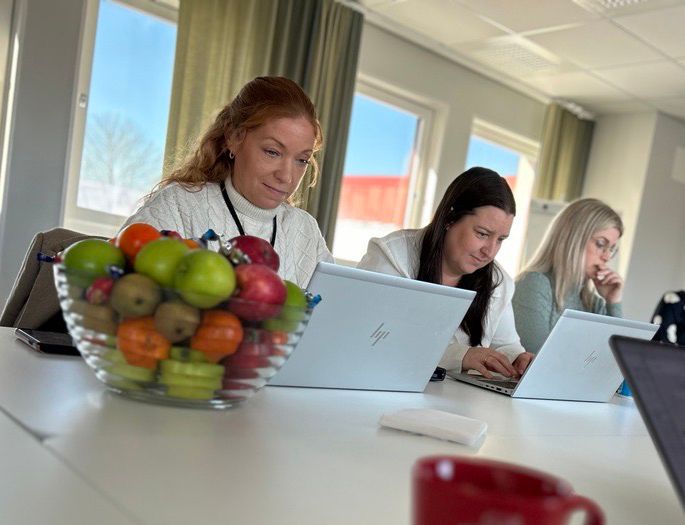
(171, 233)
(100, 290)
(261, 292)
(254, 348)
(258, 250)
(242, 373)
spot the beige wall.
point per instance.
(656, 263)
(630, 167)
(44, 97)
(617, 168)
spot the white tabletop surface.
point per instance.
(60, 395)
(37, 487)
(316, 456)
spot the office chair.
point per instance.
(33, 302)
(670, 316)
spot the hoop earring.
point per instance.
(231, 155)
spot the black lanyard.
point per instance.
(230, 207)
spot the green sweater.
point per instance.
(535, 312)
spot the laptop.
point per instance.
(373, 331)
(575, 362)
(655, 373)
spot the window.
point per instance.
(382, 187)
(125, 96)
(514, 158)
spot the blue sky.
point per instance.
(133, 67)
(381, 139)
(489, 155)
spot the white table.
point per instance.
(36, 487)
(316, 456)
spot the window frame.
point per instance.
(507, 139)
(527, 148)
(73, 217)
(431, 117)
(428, 144)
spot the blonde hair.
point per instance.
(260, 100)
(562, 251)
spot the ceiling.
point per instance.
(601, 56)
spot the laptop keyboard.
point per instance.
(503, 384)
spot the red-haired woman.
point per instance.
(242, 173)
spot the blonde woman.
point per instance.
(242, 173)
(570, 270)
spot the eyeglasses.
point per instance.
(603, 246)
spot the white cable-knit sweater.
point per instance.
(191, 213)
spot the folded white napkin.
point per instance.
(436, 423)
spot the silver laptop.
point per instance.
(575, 363)
(373, 331)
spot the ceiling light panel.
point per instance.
(512, 55)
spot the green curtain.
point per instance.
(566, 141)
(324, 62)
(222, 44)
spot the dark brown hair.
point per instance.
(472, 189)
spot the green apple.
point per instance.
(187, 355)
(295, 306)
(294, 310)
(210, 383)
(121, 368)
(189, 392)
(88, 259)
(171, 366)
(159, 259)
(204, 278)
(190, 380)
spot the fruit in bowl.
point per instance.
(169, 321)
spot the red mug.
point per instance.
(470, 491)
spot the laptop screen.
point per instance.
(656, 374)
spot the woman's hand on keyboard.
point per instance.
(485, 360)
(522, 361)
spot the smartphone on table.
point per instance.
(53, 343)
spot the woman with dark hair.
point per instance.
(241, 175)
(458, 248)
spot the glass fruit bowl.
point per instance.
(149, 344)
